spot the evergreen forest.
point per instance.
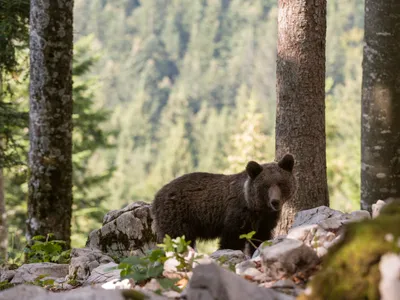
(166, 87)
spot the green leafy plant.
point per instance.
(249, 238)
(73, 280)
(15, 257)
(142, 269)
(178, 247)
(45, 250)
(223, 261)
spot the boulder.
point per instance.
(315, 216)
(211, 281)
(389, 285)
(314, 236)
(83, 261)
(24, 292)
(30, 292)
(241, 268)
(286, 258)
(7, 275)
(30, 272)
(125, 232)
(103, 274)
(327, 218)
(350, 270)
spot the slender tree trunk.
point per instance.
(50, 184)
(3, 216)
(300, 114)
(3, 219)
(380, 115)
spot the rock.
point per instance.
(7, 272)
(359, 215)
(254, 275)
(116, 284)
(277, 239)
(125, 232)
(314, 236)
(30, 292)
(147, 294)
(211, 281)
(287, 286)
(154, 286)
(83, 261)
(350, 270)
(327, 218)
(24, 292)
(171, 294)
(315, 216)
(228, 258)
(240, 268)
(389, 285)
(377, 207)
(286, 258)
(284, 283)
(103, 274)
(7, 275)
(29, 272)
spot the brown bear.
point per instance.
(207, 206)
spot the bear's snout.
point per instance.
(274, 195)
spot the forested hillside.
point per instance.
(191, 86)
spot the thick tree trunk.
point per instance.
(380, 115)
(50, 184)
(300, 114)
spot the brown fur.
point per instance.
(208, 206)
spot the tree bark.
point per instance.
(380, 112)
(3, 216)
(3, 220)
(300, 114)
(50, 126)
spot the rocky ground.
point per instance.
(326, 254)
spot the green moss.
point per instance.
(351, 268)
(391, 209)
(5, 285)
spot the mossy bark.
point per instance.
(351, 268)
(50, 127)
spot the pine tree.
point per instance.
(249, 141)
(13, 32)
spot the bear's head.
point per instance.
(270, 185)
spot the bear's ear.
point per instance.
(253, 169)
(287, 162)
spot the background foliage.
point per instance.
(188, 85)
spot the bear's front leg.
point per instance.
(230, 240)
(235, 224)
